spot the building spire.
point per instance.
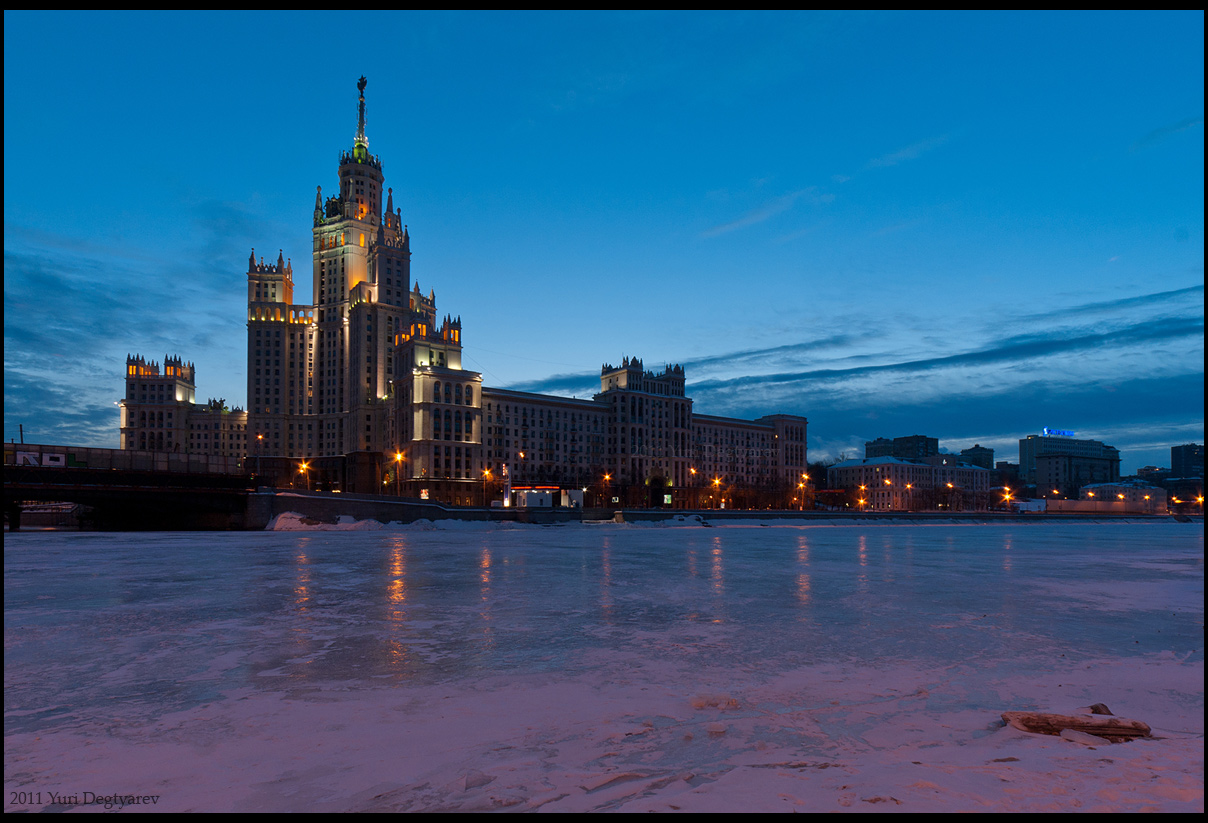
(361, 139)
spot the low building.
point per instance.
(889, 484)
(158, 413)
(1133, 497)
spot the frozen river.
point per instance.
(627, 667)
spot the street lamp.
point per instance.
(398, 470)
(486, 475)
(259, 451)
(303, 468)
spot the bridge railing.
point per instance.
(87, 457)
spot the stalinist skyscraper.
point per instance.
(362, 384)
(319, 374)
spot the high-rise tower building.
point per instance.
(365, 373)
(319, 374)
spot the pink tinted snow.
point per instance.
(645, 735)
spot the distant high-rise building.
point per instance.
(1187, 460)
(1098, 463)
(915, 447)
(881, 447)
(979, 456)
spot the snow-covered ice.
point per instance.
(602, 667)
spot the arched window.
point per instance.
(448, 422)
(436, 392)
(448, 393)
(457, 394)
(469, 396)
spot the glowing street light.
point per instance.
(398, 470)
(303, 468)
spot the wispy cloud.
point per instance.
(1011, 350)
(770, 209)
(910, 152)
(1194, 293)
(585, 383)
(1162, 133)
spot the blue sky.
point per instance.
(968, 226)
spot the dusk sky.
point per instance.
(969, 226)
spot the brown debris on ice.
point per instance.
(714, 701)
(1109, 727)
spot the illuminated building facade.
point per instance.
(159, 414)
(366, 368)
(893, 484)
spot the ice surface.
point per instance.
(606, 667)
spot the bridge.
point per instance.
(132, 500)
(127, 490)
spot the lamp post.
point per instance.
(717, 492)
(486, 475)
(259, 451)
(695, 492)
(303, 468)
(398, 470)
(607, 496)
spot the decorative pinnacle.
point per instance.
(361, 139)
